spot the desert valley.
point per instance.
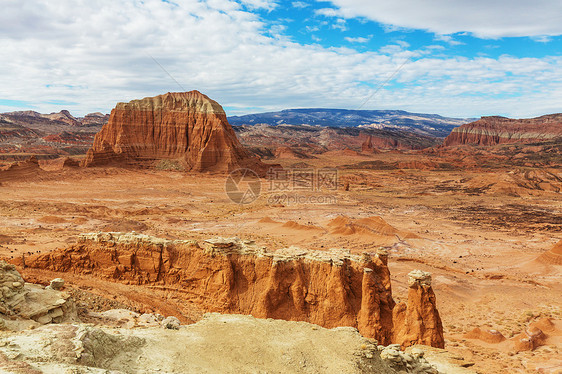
(418, 244)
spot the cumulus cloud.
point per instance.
(482, 18)
(87, 58)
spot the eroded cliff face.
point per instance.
(187, 127)
(500, 130)
(329, 288)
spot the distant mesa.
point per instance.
(186, 127)
(500, 130)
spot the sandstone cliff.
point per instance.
(187, 127)
(500, 130)
(329, 288)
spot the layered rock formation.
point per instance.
(329, 288)
(500, 130)
(21, 170)
(552, 256)
(188, 127)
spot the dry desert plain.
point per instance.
(482, 245)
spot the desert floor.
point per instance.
(480, 244)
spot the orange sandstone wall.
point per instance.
(331, 288)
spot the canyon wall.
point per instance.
(329, 288)
(187, 127)
(500, 130)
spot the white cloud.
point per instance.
(87, 58)
(483, 18)
(339, 24)
(448, 39)
(358, 39)
(300, 4)
(327, 12)
(542, 38)
(260, 4)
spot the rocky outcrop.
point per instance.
(22, 170)
(187, 127)
(94, 119)
(535, 335)
(368, 146)
(500, 130)
(21, 301)
(329, 288)
(488, 336)
(417, 321)
(529, 339)
(552, 256)
(290, 153)
(216, 344)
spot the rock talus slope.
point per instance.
(187, 127)
(500, 130)
(329, 288)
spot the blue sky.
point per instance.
(456, 58)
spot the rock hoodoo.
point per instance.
(187, 127)
(500, 130)
(329, 288)
(418, 321)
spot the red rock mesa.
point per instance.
(500, 130)
(187, 127)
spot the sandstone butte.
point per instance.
(328, 288)
(372, 143)
(500, 130)
(187, 127)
